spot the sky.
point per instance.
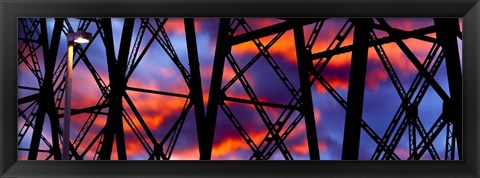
(156, 71)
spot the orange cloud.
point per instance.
(325, 39)
(228, 146)
(317, 114)
(134, 147)
(85, 91)
(374, 78)
(302, 148)
(154, 108)
(285, 47)
(89, 138)
(257, 23)
(336, 82)
(191, 153)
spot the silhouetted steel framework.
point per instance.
(47, 97)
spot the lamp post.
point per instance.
(72, 38)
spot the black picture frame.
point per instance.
(10, 10)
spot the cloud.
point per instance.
(155, 108)
(227, 146)
(302, 148)
(191, 153)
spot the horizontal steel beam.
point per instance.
(28, 99)
(90, 109)
(380, 41)
(262, 103)
(28, 88)
(157, 92)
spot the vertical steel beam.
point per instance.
(37, 132)
(223, 47)
(106, 149)
(49, 62)
(196, 93)
(117, 71)
(411, 114)
(121, 86)
(306, 109)
(447, 30)
(356, 88)
(109, 132)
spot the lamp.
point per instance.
(78, 37)
(72, 38)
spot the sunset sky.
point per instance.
(156, 71)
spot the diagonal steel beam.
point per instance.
(419, 36)
(271, 30)
(29, 98)
(195, 85)
(223, 47)
(415, 61)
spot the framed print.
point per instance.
(249, 89)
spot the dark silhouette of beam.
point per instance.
(156, 152)
(195, 85)
(116, 71)
(223, 47)
(356, 88)
(447, 30)
(414, 60)
(306, 109)
(156, 92)
(106, 149)
(123, 52)
(416, 83)
(109, 130)
(262, 103)
(48, 84)
(28, 98)
(271, 30)
(417, 34)
(37, 132)
(90, 109)
(28, 88)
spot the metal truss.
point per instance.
(47, 97)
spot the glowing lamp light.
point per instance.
(79, 37)
(81, 40)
